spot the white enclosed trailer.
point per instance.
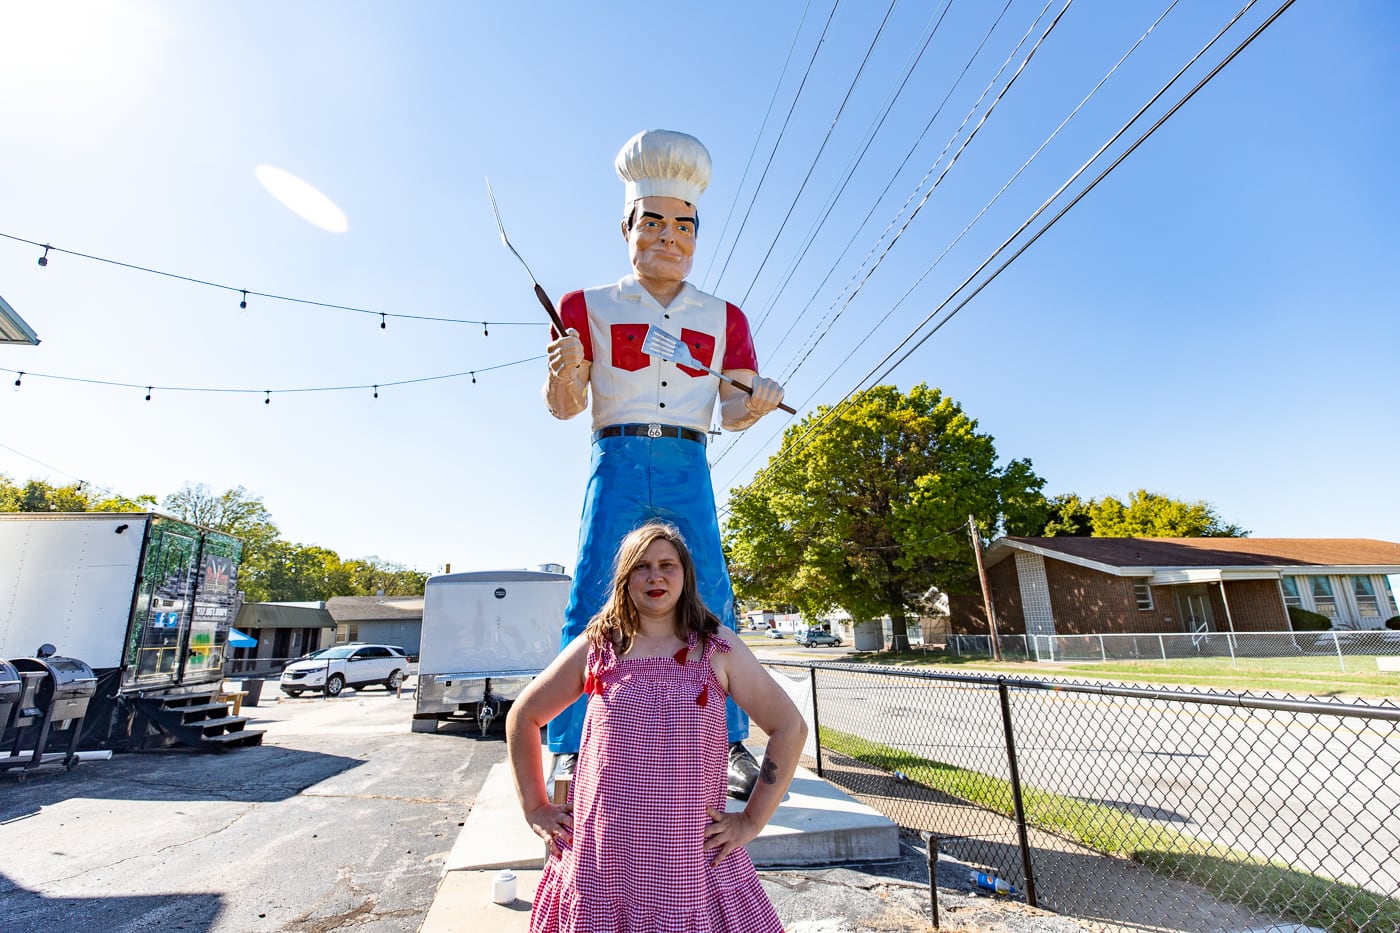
(143, 599)
(486, 635)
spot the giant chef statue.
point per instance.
(651, 417)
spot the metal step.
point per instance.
(226, 723)
(240, 739)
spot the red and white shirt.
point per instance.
(629, 386)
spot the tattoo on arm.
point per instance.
(768, 771)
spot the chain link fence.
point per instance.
(1347, 649)
(1136, 808)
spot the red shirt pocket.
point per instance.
(627, 352)
(701, 346)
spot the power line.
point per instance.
(761, 127)
(819, 423)
(935, 20)
(991, 108)
(875, 202)
(966, 142)
(776, 143)
(253, 293)
(836, 118)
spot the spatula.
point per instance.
(668, 347)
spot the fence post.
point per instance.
(1102, 656)
(932, 842)
(816, 720)
(1163, 646)
(1016, 791)
(1230, 643)
(1337, 646)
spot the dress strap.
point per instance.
(599, 662)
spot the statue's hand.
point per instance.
(565, 354)
(766, 395)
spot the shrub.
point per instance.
(1305, 621)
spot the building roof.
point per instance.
(1237, 557)
(375, 608)
(12, 327)
(283, 615)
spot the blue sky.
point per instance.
(1216, 320)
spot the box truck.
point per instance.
(486, 635)
(143, 599)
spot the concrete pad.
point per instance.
(463, 904)
(495, 834)
(817, 824)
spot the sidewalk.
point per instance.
(829, 863)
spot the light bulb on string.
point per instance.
(44, 259)
(148, 393)
(267, 396)
(484, 331)
(473, 379)
(17, 380)
(244, 302)
(376, 391)
(382, 323)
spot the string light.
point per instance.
(150, 389)
(484, 331)
(245, 292)
(382, 324)
(267, 396)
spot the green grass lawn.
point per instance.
(1229, 874)
(1313, 676)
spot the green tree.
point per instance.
(370, 575)
(238, 513)
(869, 509)
(1070, 517)
(1151, 515)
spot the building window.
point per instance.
(1323, 599)
(1367, 606)
(1291, 596)
(1142, 592)
(347, 632)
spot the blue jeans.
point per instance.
(633, 480)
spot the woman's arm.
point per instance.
(759, 695)
(545, 697)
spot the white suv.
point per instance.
(342, 666)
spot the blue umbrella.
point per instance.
(238, 640)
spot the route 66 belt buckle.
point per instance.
(653, 430)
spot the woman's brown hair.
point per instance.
(618, 621)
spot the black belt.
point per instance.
(650, 430)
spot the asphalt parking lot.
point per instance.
(340, 820)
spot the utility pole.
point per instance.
(986, 593)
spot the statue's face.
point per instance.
(661, 242)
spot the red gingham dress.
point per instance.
(654, 754)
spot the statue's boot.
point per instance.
(564, 766)
(743, 771)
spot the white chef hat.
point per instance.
(663, 163)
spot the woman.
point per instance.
(645, 843)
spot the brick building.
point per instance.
(1101, 586)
